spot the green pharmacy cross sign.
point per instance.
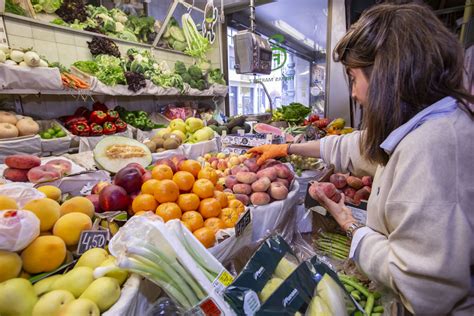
(279, 54)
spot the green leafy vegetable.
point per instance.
(14, 8)
(48, 6)
(89, 67)
(197, 44)
(295, 112)
(110, 70)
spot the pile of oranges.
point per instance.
(189, 193)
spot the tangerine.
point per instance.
(215, 224)
(187, 225)
(184, 180)
(150, 186)
(193, 220)
(229, 217)
(222, 198)
(144, 203)
(203, 188)
(166, 191)
(191, 166)
(162, 172)
(188, 202)
(206, 236)
(209, 174)
(236, 204)
(210, 208)
(168, 211)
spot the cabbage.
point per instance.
(48, 6)
(332, 294)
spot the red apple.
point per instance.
(146, 176)
(176, 159)
(99, 186)
(94, 198)
(138, 166)
(130, 179)
(113, 198)
(168, 162)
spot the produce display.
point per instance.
(22, 58)
(137, 119)
(54, 131)
(369, 300)
(232, 127)
(28, 168)
(12, 125)
(355, 189)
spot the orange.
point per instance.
(229, 217)
(193, 220)
(184, 180)
(144, 203)
(162, 172)
(191, 166)
(203, 188)
(188, 202)
(168, 211)
(210, 208)
(214, 223)
(209, 174)
(236, 204)
(166, 191)
(187, 225)
(219, 187)
(150, 186)
(222, 198)
(206, 236)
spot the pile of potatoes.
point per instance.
(259, 185)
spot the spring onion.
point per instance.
(197, 44)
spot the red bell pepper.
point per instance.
(82, 111)
(120, 125)
(99, 106)
(80, 129)
(109, 128)
(313, 118)
(96, 129)
(71, 120)
(322, 123)
(306, 122)
(98, 117)
(112, 116)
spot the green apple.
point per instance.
(193, 124)
(109, 268)
(92, 258)
(52, 302)
(178, 125)
(75, 281)
(80, 307)
(17, 297)
(44, 285)
(104, 292)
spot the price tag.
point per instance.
(243, 222)
(92, 239)
(222, 281)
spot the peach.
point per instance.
(16, 175)
(24, 162)
(243, 198)
(261, 185)
(278, 191)
(230, 181)
(338, 180)
(99, 186)
(238, 169)
(270, 173)
(336, 197)
(222, 165)
(260, 198)
(44, 254)
(63, 166)
(242, 188)
(282, 171)
(354, 182)
(251, 163)
(47, 210)
(367, 181)
(234, 161)
(78, 204)
(285, 182)
(70, 226)
(43, 174)
(328, 188)
(349, 192)
(269, 163)
(246, 177)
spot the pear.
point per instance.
(80, 307)
(109, 268)
(52, 302)
(17, 297)
(75, 281)
(44, 285)
(104, 292)
(92, 258)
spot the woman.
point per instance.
(405, 69)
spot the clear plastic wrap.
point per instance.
(18, 229)
(22, 193)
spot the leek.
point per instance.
(198, 45)
(284, 268)
(318, 307)
(332, 295)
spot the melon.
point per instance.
(115, 152)
(8, 130)
(7, 117)
(26, 126)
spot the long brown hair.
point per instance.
(410, 59)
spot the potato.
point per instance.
(338, 180)
(243, 198)
(261, 185)
(230, 181)
(354, 182)
(251, 163)
(246, 177)
(367, 181)
(278, 191)
(25, 162)
(270, 173)
(260, 198)
(242, 188)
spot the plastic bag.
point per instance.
(18, 229)
(22, 193)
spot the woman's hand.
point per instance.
(341, 213)
(269, 152)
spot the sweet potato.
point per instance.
(339, 180)
(260, 198)
(270, 173)
(367, 181)
(24, 162)
(242, 188)
(243, 198)
(362, 194)
(246, 177)
(16, 175)
(354, 182)
(261, 185)
(278, 191)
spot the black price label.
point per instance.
(243, 222)
(92, 239)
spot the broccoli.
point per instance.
(195, 72)
(186, 77)
(201, 84)
(180, 68)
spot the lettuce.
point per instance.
(48, 6)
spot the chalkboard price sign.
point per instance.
(92, 239)
(243, 222)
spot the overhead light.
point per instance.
(309, 42)
(304, 73)
(288, 29)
